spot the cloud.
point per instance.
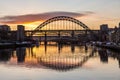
(29, 18)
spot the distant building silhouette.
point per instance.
(4, 32)
(20, 33)
(104, 32)
(114, 35)
(104, 27)
(4, 28)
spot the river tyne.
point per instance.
(59, 62)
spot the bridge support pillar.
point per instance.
(40, 40)
(59, 34)
(45, 40)
(73, 34)
(86, 32)
(86, 35)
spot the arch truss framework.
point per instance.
(61, 18)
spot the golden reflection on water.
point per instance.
(47, 62)
(50, 55)
(57, 57)
(42, 50)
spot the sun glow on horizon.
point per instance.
(92, 21)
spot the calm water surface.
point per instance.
(54, 62)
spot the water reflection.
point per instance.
(56, 57)
(103, 55)
(5, 55)
(20, 53)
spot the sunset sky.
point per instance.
(31, 13)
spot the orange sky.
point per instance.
(32, 13)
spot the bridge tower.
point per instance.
(20, 33)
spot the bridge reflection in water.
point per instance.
(64, 63)
(60, 58)
(64, 59)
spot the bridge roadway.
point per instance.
(57, 35)
(60, 30)
(54, 31)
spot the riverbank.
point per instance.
(112, 47)
(14, 45)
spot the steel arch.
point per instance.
(62, 18)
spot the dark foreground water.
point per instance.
(54, 62)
